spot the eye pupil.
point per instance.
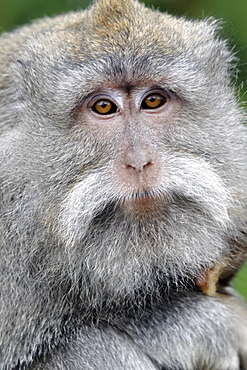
(104, 107)
(153, 101)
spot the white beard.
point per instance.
(121, 252)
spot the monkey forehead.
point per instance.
(127, 24)
(126, 35)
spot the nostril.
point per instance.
(138, 166)
(150, 163)
(132, 167)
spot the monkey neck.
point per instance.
(141, 303)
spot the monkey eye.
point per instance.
(104, 106)
(153, 101)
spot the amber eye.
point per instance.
(153, 101)
(104, 107)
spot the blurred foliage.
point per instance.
(232, 13)
(240, 281)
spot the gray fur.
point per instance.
(84, 283)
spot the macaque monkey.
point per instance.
(123, 194)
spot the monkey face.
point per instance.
(138, 131)
(149, 198)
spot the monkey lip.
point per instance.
(141, 203)
(142, 195)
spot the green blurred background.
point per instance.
(232, 13)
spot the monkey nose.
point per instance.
(139, 165)
(138, 159)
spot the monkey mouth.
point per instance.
(141, 195)
(141, 204)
